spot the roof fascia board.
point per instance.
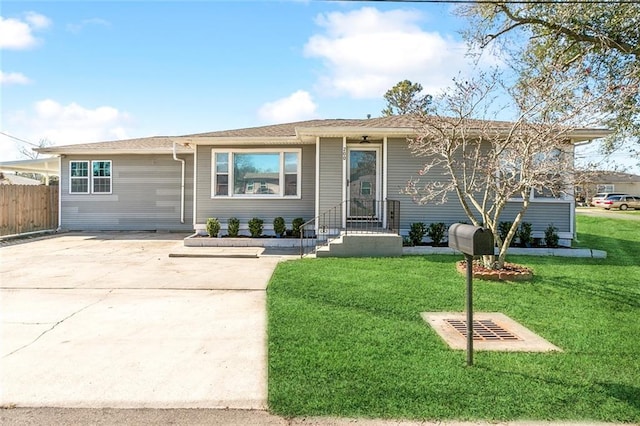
(576, 135)
(91, 151)
(582, 135)
(231, 140)
(330, 131)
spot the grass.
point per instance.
(346, 338)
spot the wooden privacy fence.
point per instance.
(28, 208)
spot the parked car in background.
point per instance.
(622, 202)
(601, 196)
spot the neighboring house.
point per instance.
(13, 179)
(291, 170)
(46, 167)
(589, 184)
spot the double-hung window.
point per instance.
(256, 173)
(221, 176)
(101, 177)
(90, 177)
(79, 177)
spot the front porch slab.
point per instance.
(196, 240)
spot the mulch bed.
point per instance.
(510, 271)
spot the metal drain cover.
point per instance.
(483, 329)
(492, 331)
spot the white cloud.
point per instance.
(37, 20)
(63, 125)
(18, 34)
(297, 106)
(7, 78)
(77, 28)
(367, 51)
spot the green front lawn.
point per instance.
(346, 337)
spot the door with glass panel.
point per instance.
(363, 183)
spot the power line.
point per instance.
(18, 139)
(558, 2)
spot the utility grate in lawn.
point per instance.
(493, 331)
(482, 330)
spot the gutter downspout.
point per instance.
(60, 194)
(181, 183)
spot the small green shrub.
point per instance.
(551, 237)
(436, 232)
(256, 227)
(213, 226)
(279, 226)
(295, 226)
(233, 227)
(416, 233)
(524, 234)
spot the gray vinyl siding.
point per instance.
(330, 173)
(245, 209)
(542, 214)
(402, 166)
(145, 195)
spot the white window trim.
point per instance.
(564, 198)
(102, 177)
(90, 177)
(230, 190)
(214, 173)
(606, 187)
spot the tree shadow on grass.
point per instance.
(625, 393)
(622, 392)
(619, 295)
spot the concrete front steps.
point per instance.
(363, 245)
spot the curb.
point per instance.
(556, 252)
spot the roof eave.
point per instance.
(94, 151)
(587, 135)
(45, 166)
(242, 140)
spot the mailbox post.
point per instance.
(471, 241)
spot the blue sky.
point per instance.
(84, 71)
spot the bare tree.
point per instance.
(30, 152)
(487, 163)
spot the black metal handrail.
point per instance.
(364, 216)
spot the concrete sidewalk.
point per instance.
(40, 416)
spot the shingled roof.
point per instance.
(398, 124)
(289, 129)
(164, 144)
(159, 144)
(606, 176)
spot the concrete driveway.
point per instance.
(110, 320)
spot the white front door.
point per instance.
(363, 182)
